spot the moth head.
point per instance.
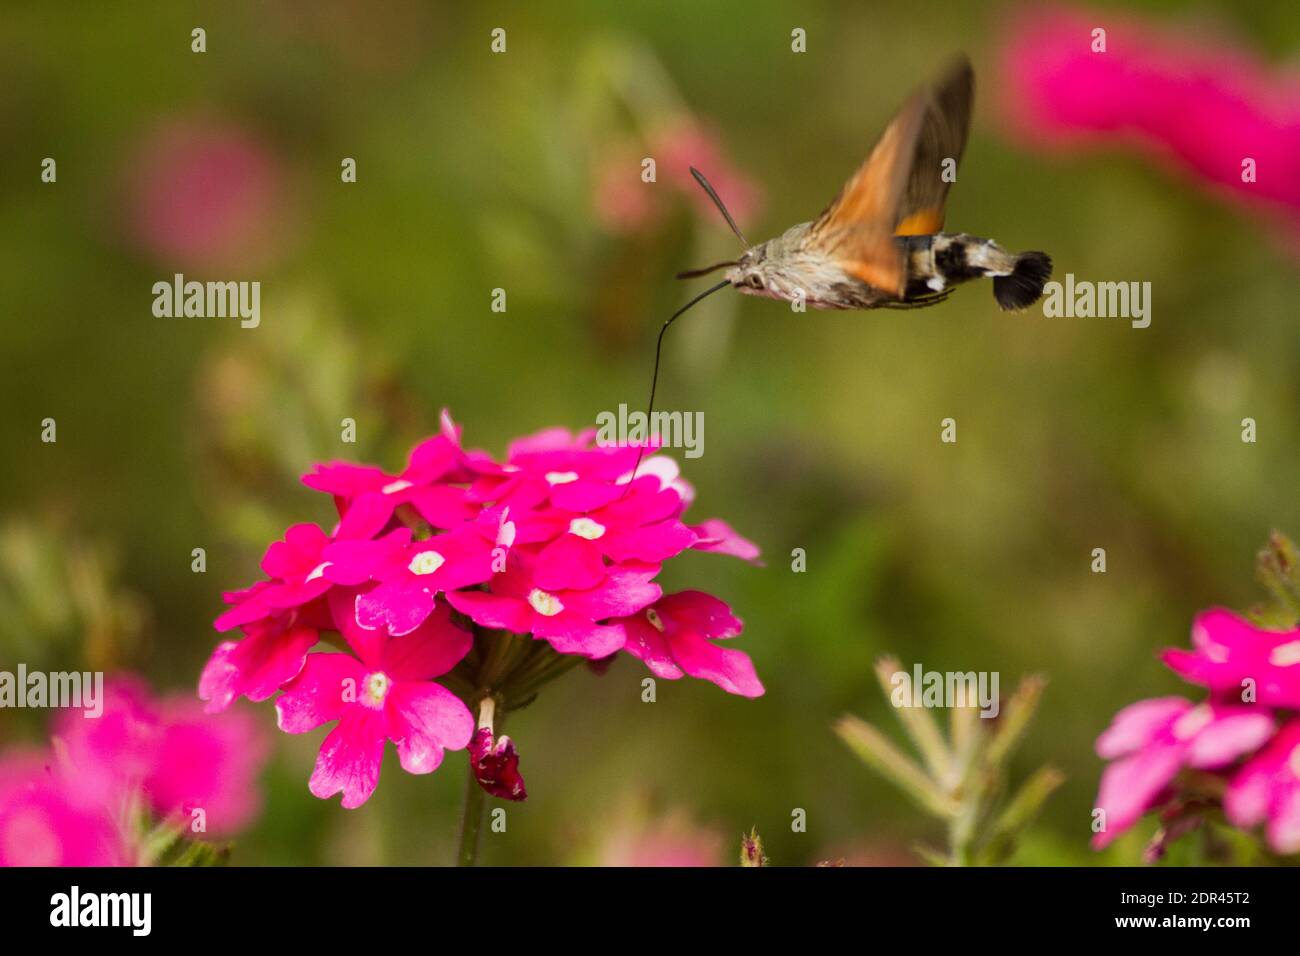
(749, 272)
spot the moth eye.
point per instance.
(756, 282)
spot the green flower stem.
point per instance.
(514, 667)
(539, 656)
(961, 831)
(531, 682)
(471, 821)
(503, 651)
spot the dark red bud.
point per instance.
(496, 765)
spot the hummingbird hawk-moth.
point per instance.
(880, 243)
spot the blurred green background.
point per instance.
(478, 171)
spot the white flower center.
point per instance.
(393, 487)
(1285, 655)
(655, 620)
(426, 562)
(586, 528)
(561, 477)
(544, 603)
(375, 689)
(319, 570)
(1193, 722)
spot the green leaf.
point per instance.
(919, 724)
(877, 752)
(1015, 718)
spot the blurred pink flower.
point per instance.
(625, 204)
(205, 195)
(1229, 651)
(170, 752)
(45, 821)
(71, 809)
(116, 752)
(1195, 106)
(1150, 741)
(1267, 787)
(209, 763)
(667, 841)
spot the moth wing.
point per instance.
(899, 190)
(868, 253)
(945, 125)
(856, 229)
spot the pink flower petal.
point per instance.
(350, 757)
(719, 537)
(368, 642)
(569, 562)
(318, 695)
(365, 517)
(255, 667)
(1284, 822)
(1231, 735)
(397, 608)
(1131, 786)
(653, 542)
(346, 480)
(1247, 799)
(443, 506)
(493, 610)
(1138, 724)
(646, 642)
(431, 650)
(697, 611)
(626, 590)
(731, 670)
(423, 719)
(573, 634)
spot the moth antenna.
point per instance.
(696, 273)
(704, 184)
(654, 377)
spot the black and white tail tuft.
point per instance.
(1023, 287)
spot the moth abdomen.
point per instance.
(937, 262)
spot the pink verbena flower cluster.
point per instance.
(429, 572)
(1246, 734)
(91, 799)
